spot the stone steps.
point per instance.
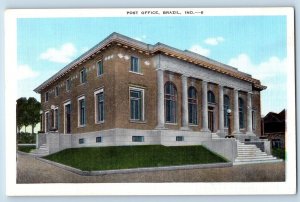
(41, 151)
(248, 154)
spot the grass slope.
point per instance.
(122, 157)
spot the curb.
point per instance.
(135, 170)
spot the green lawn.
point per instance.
(26, 149)
(122, 157)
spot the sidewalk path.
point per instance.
(31, 170)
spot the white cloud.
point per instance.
(200, 50)
(264, 70)
(140, 38)
(25, 72)
(64, 54)
(214, 40)
(273, 74)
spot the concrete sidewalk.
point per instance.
(31, 170)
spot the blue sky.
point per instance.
(253, 44)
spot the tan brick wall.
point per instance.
(125, 79)
(116, 81)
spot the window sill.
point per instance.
(82, 84)
(137, 121)
(81, 126)
(99, 122)
(100, 75)
(193, 125)
(138, 73)
(174, 124)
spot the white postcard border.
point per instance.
(13, 189)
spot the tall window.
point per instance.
(46, 96)
(68, 84)
(81, 111)
(170, 102)
(226, 107)
(100, 68)
(56, 91)
(56, 118)
(83, 75)
(136, 104)
(241, 112)
(192, 100)
(134, 64)
(99, 104)
(47, 122)
(211, 97)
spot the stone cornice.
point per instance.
(143, 48)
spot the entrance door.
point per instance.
(210, 119)
(68, 118)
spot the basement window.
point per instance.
(98, 139)
(137, 138)
(179, 138)
(81, 141)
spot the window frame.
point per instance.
(225, 107)
(79, 111)
(98, 73)
(142, 90)
(83, 75)
(68, 85)
(139, 70)
(138, 138)
(241, 112)
(81, 141)
(96, 106)
(67, 102)
(97, 138)
(180, 138)
(193, 101)
(56, 118)
(175, 100)
(47, 122)
(47, 96)
(56, 91)
(213, 96)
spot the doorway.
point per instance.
(68, 118)
(211, 119)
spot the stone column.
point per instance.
(160, 99)
(236, 126)
(221, 110)
(185, 113)
(249, 114)
(204, 107)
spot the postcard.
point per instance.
(150, 101)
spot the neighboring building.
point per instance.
(273, 127)
(126, 92)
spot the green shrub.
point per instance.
(25, 138)
(279, 153)
(26, 149)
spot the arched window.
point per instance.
(193, 115)
(226, 107)
(211, 97)
(170, 102)
(241, 113)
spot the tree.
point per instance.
(21, 115)
(28, 112)
(33, 110)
